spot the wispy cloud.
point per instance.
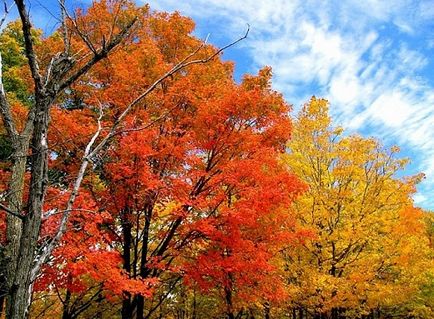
(369, 58)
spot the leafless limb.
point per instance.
(81, 34)
(116, 16)
(98, 55)
(144, 127)
(28, 44)
(6, 11)
(5, 110)
(9, 211)
(46, 253)
(53, 212)
(63, 14)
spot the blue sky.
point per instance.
(372, 59)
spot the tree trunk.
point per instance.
(267, 310)
(127, 310)
(193, 316)
(3, 282)
(14, 225)
(66, 314)
(335, 313)
(21, 287)
(229, 307)
(144, 271)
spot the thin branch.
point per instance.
(55, 212)
(46, 253)
(99, 55)
(49, 12)
(29, 50)
(144, 127)
(219, 50)
(83, 36)
(64, 14)
(6, 9)
(5, 110)
(115, 20)
(163, 297)
(82, 307)
(9, 211)
(178, 67)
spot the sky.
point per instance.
(373, 60)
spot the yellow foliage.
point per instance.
(370, 242)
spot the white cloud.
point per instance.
(390, 109)
(419, 198)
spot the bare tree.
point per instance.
(24, 258)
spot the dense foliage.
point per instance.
(209, 201)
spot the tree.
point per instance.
(52, 67)
(369, 242)
(206, 169)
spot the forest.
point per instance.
(139, 179)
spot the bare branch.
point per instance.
(30, 52)
(64, 14)
(6, 11)
(46, 253)
(82, 35)
(56, 212)
(99, 55)
(5, 110)
(118, 9)
(144, 127)
(219, 50)
(9, 211)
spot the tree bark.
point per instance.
(267, 310)
(144, 270)
(229, 306)
(22, 282)
(127, 310)
(15, 202)
(66, 314)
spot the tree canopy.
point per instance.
(138, 179)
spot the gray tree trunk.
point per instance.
(22, 268)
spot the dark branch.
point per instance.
(6, 12)
(9, 211)
(29, 50)
(64, 14)
(81, 34)
(98, 56)
(5, 110)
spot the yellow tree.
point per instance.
(368, 240)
